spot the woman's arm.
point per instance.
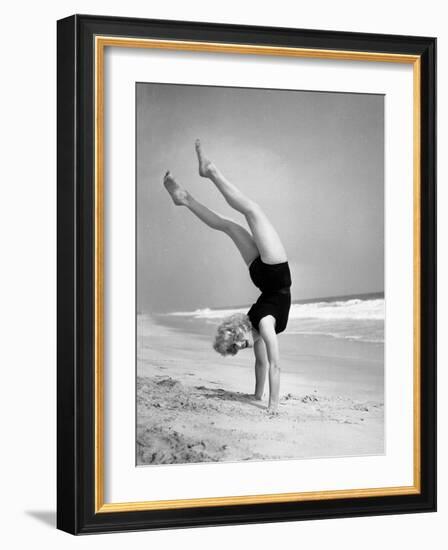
(266, 328)
(261, 367)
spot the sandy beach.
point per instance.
(195, 406)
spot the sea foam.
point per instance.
(354, 318)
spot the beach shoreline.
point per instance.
(195, 406)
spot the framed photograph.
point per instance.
(246, 274)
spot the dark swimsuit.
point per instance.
(274, 281)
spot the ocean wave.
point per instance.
(355, 319)
(355, 309)
(352, 309)
(207, 313)
(372, 339)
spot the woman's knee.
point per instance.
(228, 226)
(252, 209)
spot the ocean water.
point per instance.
(352, 318)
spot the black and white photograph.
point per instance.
(260, 274)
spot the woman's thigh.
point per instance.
(244, 241)
(266, 238)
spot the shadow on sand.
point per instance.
(226, 395)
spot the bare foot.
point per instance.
(206, 167)
(178, 193)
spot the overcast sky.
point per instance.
(315, 163)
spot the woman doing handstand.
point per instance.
(265, 256)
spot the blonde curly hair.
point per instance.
(232, 330)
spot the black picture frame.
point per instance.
(76, 510)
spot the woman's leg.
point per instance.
(266, 238)
(240, 236)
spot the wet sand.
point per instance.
(195, 406)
